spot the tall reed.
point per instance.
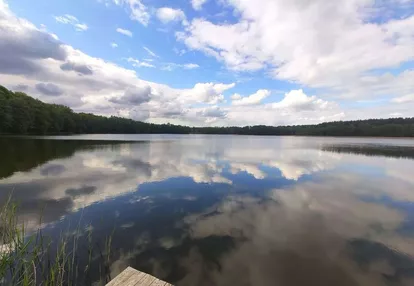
(33, 258)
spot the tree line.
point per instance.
(22, 114)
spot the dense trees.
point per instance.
(22, 114)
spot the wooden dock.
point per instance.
(133, 277)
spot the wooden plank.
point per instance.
(147, 280)
(133, 277)
(158, 282)
(123, 276)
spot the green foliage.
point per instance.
(5, 110)
(22, 114)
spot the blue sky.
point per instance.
(158, 37)
(227, 62)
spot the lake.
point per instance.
(225, 210)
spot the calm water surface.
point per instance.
(226, 210)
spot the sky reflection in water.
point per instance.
(228, 210)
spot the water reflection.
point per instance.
(231, 210)
(373, 150)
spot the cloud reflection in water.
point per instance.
(224, 210)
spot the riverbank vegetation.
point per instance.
(33, 258)
(22, 114)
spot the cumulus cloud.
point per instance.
(72, 20)
(295, 108)
(114, 45)
(212, 112)
(105, 88)
(197, 4)
(138, 11)
(298, 100)
(253, 99)
(22, 44)
(210, 93)
(312, 44)
(30, 55)
(235, 96)
(79, 68)
(166, 15)
(168, 110)
(134, 96)
(124, 32)
(376, 85)
(49, 89)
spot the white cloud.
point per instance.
(252, 99)
(138, 11)
(4, 7)
(312, 44)
(145, 64)
(81, 27)
(166, 15)
(295, 108)
(90, 84)
(49, 89)
(298, 100)
(114, 45)
(212, 113)
(66, 19)
(134, 96)
(138, 63)
(210, 93)
(404, 99)
(191, 66)
(197, 4)
(374, 86)
(124, 32)
(172, 66)
(72, 20)
(236, 96)
(30, 56)
(151, 53)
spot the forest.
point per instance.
(22, 114)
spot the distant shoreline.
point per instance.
(68, 136)
(21, 114)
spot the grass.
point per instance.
(33, 258)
